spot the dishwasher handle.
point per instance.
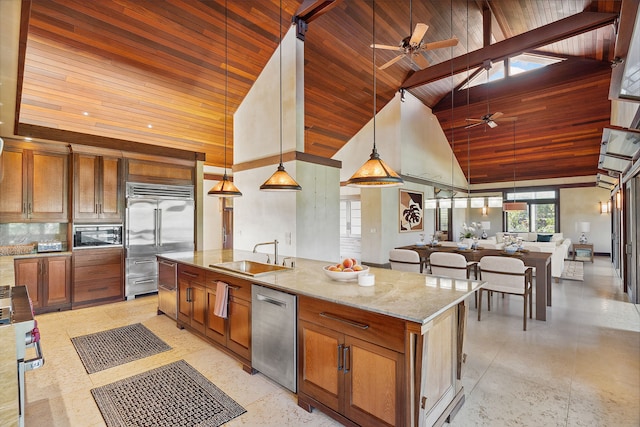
(271, 300)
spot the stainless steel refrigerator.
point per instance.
(159, 219)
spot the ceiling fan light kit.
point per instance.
(375, 172)
(225, 188)
(280, 180)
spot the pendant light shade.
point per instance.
(375, 172)
(225, 188)
(514, 206)
(280, 180)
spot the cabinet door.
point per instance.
(374, 380)
(13, 185)
(57, 280)
(216, 326)
(199, 307)
(111, 191)
(239, 337)
(27, 273)
(85, 188)
(48, 188)
(184, 303)
(320, 375)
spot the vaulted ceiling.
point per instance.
(153, 72)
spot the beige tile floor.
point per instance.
(579, 368)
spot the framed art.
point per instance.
(411, 211)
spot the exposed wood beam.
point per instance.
(542, 36)
(41, 132)
(308, 11)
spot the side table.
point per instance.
(583, 252)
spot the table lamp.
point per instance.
(486, 226)
(585, 227)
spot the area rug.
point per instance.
(573, 270)
(171, 395)
(103, 350)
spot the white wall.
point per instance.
(581, 205)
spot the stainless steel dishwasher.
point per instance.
(274, 335)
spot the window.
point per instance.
(515, 65)
(350, 219)
(541, 215)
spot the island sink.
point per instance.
(250, 268)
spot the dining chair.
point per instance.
(454, 265)
(508, 276)
(405, 260)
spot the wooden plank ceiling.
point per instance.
(153, 72)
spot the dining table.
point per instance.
(541, 261)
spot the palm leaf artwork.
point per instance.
(411, 213)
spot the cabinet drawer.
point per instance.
(97, 272)
(190, 273)
(92, 257)
(238, 288)
(95, 290)
(375, 328)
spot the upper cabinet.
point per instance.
(97, 187)
(33, 186)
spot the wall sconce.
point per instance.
(605, 207)
(619, 200)
(484, 211)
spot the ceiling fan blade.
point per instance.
(508, 119)
(496, 115)
(386, 46)
(440, 44)
(492, 124)
(390, 63)
(420, 60)
(418, 33)
(473, 125)
(475, 120)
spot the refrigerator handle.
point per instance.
(155, 226)
(159, 229)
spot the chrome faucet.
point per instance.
(275, 253)
(284, 261)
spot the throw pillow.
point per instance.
(544, 237)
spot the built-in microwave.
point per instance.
(91, 236)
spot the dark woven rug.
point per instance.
(114, 347)
(171, 395)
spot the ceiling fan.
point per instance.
(489, 120)
(413, 46)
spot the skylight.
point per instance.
(517, 65)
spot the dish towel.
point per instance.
(222, 298)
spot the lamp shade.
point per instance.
(514, 206)
(585, 227)
(375, 173)
(280, 181)
(225, 188)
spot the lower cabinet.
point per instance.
(192, 298)
(48, 281)
(98, 276)
(197, 292)
(351, 362)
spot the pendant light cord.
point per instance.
(280, 48)
(373, 63)
(226, 81)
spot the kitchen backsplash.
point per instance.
(20, 233)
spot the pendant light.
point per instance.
(375, 172)
(226, 187)
(514, 206)
(280, 180)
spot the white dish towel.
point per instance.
(222, 300)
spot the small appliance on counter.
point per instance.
(49, 246)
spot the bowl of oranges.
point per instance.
(345, 271)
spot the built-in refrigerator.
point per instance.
(159, 219)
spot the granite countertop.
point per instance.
(410, 296)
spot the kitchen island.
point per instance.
(388, 354)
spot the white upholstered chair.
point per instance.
(508, 276)
(451, 265)
(405, 260)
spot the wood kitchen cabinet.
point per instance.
(234, 332)
(192, 298)
(48, 280)
(34, 185)
(351, 362)
(98, 276)
(97, 188)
